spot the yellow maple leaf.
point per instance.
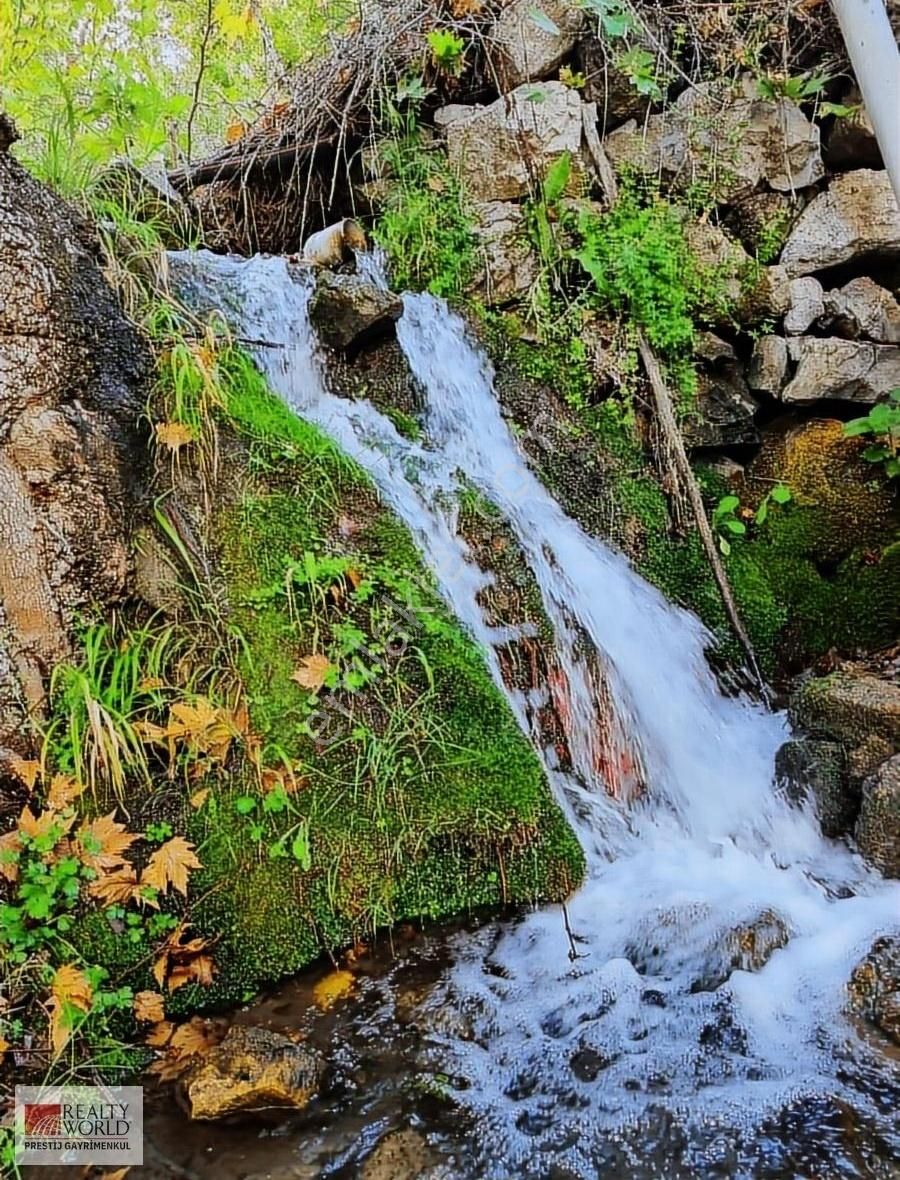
(117, 887)
(182, 1045)
(4, 1045)
(149, 1006)
(200, 969)
(63, 790)
(173, 435)
(333, 987)
(170, 865)
(26, 771)
(103, 842)
(36, 827)
(70, 993)
(312, 672)
(10, 847)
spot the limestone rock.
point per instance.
(851, 704)
(616, 96)
(846, 370)
(856, 218)
(878, 826)
(762, 220)
(862, 309)
(768, 365)
(252, 1069)
(347, 309)
(816, 767)
(723, 411)
(754, 292)
(874, 987)
(852, 142)
(510, 265)
(498, 148)
(738, 140)
(72, 391)
(525, 51)
(807, 305)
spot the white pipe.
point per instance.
(876, 62)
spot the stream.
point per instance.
(687, 1020)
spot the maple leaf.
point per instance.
(160, 1035)
(235, 131)
(312, 672)
(199, 798)
(36, 828)
(102, 843)
(182, 1044)
(202, 726)
(149, 1006)
(70, 993)
(333, 987)
(25, 770)
(173, 435)
(180, 962)
(63, 790)
(170, 865)
(10, 847)
(117, 887)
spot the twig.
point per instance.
(573, 953)
(198, 81)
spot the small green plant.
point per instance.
(780, 494)
(730, 520)
(447, 50)
(882, 423)
(797, 87)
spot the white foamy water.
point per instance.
(656, 1021)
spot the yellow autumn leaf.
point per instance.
(117, 887)
(4, 1045)
(103, 842)
(173, 435)
(70, 993)
(235, 131)
(199, 798)
(149, 1006)
(36, 827)
(10, 847)
(170, 865)
(312, 672)
(333, 987)
(63, 790)
(26, 771)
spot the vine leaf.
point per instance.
(63, 790)
(118, 887)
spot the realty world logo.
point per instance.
(79, 1125)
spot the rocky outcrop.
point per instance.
(509, 263)
(874, 987)
(854, 220)
(531, 41)
(253, 1069)
(739, 141)
(348, 310)
(846, 370)
(72, 371)
(862, 310)
(815, 769)
(500, 150)
(755, 292)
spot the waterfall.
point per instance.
(701, 971)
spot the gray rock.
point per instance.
(510, 265)
(855, 218)
(878, 826)
(852, 142)
(723, 411)
(768, 365)
(524, 51)
(862, 309)
(738, 140)
(615, 94)
(846, 370)
(874, 987)
(851, 704)
(754, 292)
(807, 305)
(400, 1155)
(817, 767)
(497, 149)
(347, 309)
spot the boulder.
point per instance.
(615, 94)
(855, 219)
(400, 1155)
(524, 49)
(723, 412)
(816, 768)
(862, 309)
(851, 704)
(734, 140)
(510, 265)
(874, 987)
(498, 149)
(762, 220)
(768, 365)
(878, 826)
(754, 292)
(74, 374)
(852, 142)
(347, 310)
(807, 305)
(846, 370)
(252, 1069)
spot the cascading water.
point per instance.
(700, 989)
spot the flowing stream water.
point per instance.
(697, 998)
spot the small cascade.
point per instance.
(696, 988)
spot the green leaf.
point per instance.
(736, 526)
(543, 22)
(557, 178)
(876, 453)
(857, 426)
(300, 849)
(881, 417)
(762, 512)
(244, 804)
(781, 494)
(724, 546)
(839, 110)
(728, 504)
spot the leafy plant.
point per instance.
(447, 50)
(797, 87)
(780, 494)
(725, 521)
(882, 423)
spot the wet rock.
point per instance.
(768, 365)
(874, 987)
(851, 704)
(148, 196)
(807, 305)
(723, 411)
(742, 138)
(498, 148)
(856, 219)
(817, 767)
(523, 50)
(852, 142)
(878, 826)
(347, 310)
(253, 1069)
(73, 386)
(510, 264)
(862, 309)
(400, 1155)
(747, 947)
(846, 370)
(588, 1063)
